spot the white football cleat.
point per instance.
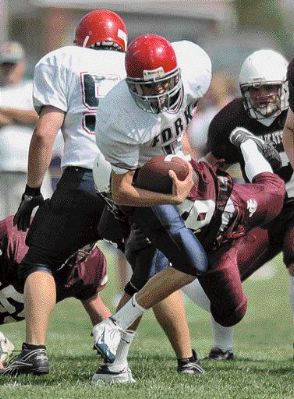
(6, 348)
(107, 335)
(104, 375)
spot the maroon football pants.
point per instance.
(234, 261)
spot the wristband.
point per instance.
(32, 191)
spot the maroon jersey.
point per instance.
(82, 276)
(219, 211)
(234, 115)
(290, 77)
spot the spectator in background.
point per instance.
(222, 90)
(17, 120)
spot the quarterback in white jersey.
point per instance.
(143, 116)
(68, 85)
(130, 136)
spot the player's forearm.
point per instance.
(40, 154)
(4, 120)
(28, 117)
(96, 309)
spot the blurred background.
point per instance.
(227, 29)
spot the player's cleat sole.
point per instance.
(105, 376)
(239, 135)
(29, 361)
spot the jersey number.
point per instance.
(95, 87)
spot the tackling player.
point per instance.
(165, 95)
(82, 276)
(219, 212)
(262, 110)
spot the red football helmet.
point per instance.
(153, 75)
(102, 28)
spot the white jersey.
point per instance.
(74, 80)
(129, 136)
(15, 138)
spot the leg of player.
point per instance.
(118, 372)
(39, 285)
(33, 357)
(170, 313)
(222, 336)
(241, 138)
(107, 334)
(255, 161)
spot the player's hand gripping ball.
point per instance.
(154, 174)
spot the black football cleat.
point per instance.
(218, 354)
(190, 365)
(29, 361)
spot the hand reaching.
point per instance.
(31, 198)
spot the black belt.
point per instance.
(78, 168)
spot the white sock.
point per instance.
(291, 292)
(130, 312)
(222, 336)
(121, 359)
(255, 163)
(196, 294)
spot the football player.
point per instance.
(262, 110)
(146, 115)
(164, 95)
(288, 134)
(220, 213)
(68, 85)
(82, 276)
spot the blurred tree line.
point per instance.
(265, 15)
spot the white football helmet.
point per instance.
(265, 69)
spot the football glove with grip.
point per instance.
(31, 198)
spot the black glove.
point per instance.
(31, 198)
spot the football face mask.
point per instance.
(157, 92)
(263, 101)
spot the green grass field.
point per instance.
(263, 344)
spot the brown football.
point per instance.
(154, 175)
